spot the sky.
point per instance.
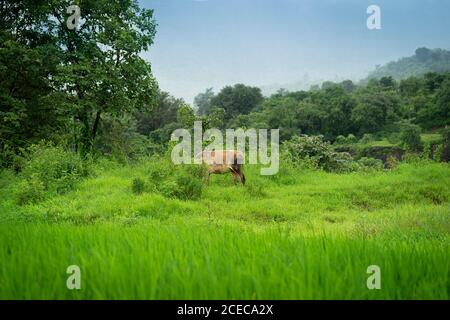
(269, 43)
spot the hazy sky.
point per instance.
(213, 43)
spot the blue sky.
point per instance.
(213, 43)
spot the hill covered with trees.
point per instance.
(423, 61)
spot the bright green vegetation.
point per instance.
(301, 234)
(431, 137)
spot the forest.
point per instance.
(86, 177)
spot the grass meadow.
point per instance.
(302, 234)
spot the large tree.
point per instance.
(102, 71)
(237, 99)
(51, 71)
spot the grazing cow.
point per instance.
(223, 161)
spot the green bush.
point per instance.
(340, 162)
(138, 186)
(370, 163)
(438, 152)
(366, 138)
(30, 191)
(189, 187)
(57, 169)
(313, 152)
(184, 182)
(410, 137)
(341, 140)
(351, 138)
(391, 162)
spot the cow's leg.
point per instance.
(208, 179)
(234, 177)
(242, 177)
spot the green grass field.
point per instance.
(300, 235)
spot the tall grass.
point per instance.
(302, 234)
(203, 261)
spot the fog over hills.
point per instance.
(422, 61)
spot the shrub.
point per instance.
(351, 138)
(30, 191)
(184, 182)
(307, 148)
(370, 163)
(341, 162)
(341, 140)
(426, 153)
(315, 152)
(55, 168)
(438, 152)
(391, 162)
(138, 186)
(189, 187)
(410, 137)
(366, 138)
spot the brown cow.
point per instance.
(223, 161)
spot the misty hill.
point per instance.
(424, 60)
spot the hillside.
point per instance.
(424, 60)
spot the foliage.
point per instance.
(330, 222)
(30, 190)
(423, 61)
(53, 167)
(138, 186)
(410, 137)
(366, 138)
(317, 153)
(202, 102)
(237, 99)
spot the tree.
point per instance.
(28, 59)
(239, 99)
(78, 75)
(203, 101)
(186, 116)
(423, 54)
(101, 71)
(162, 113)
(410, 136)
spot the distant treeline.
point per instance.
(335, 108)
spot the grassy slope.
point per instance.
(301, 235)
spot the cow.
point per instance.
(224, 161)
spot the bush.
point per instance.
(55, 168)
(370, 163)
(30, 191)
(189, 187)
(311, 149)
(391, 162)
(366, 138)
(341, 140)
(351, 138)
(426, 153)
(316, 153)
(184, 182)
(410, 137)
(138, 186)
(438, 152)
